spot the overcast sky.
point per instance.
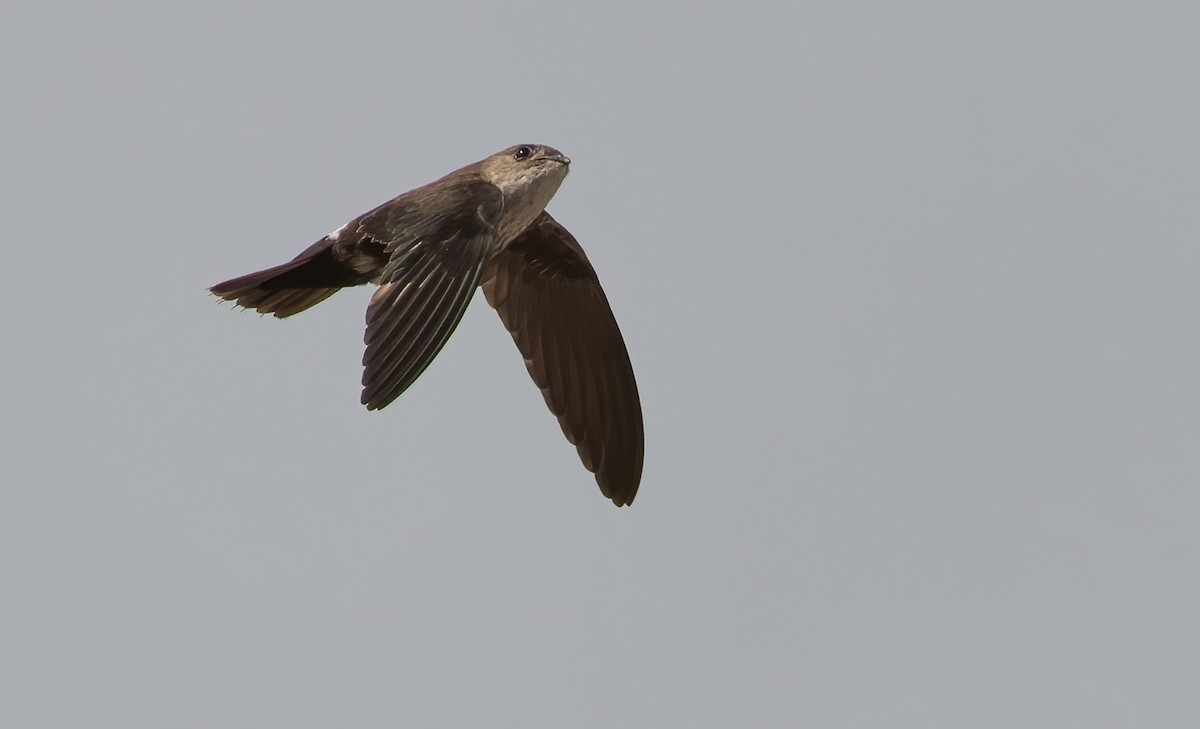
(910, 289)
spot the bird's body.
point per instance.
(482, 225)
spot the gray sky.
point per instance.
(910, 290)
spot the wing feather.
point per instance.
(435, 262)
(550, 299)
(411, 317)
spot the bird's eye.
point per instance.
(522, 152)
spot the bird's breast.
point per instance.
(518, 216)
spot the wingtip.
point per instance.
(620, 497)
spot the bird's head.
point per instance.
(531, 172)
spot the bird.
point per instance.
(427, 250)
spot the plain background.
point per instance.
(911, 293)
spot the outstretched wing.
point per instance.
(550, 299)
(438, 243)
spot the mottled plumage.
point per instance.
(428, 250)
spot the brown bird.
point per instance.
(483, 225)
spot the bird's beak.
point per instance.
(561, 158)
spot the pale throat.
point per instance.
(524, 204)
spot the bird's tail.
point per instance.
(305, 281)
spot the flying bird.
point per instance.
(428, 249)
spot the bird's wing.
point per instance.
(549, 297)
(438, 242)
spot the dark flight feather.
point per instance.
(438, 246)
(549, 298)
(412, 315)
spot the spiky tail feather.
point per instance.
(288, 289)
